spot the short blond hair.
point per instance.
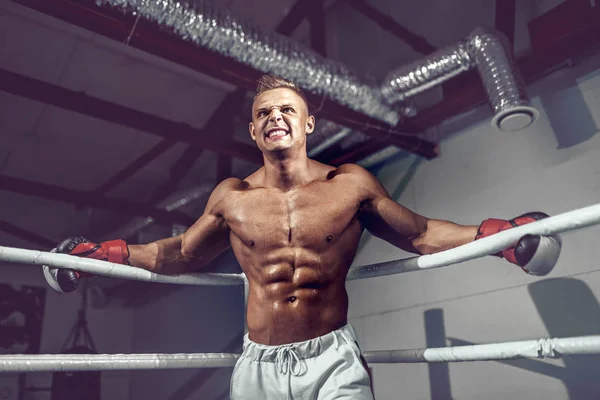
(270, 82)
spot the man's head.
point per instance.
(280, 118)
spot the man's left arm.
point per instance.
(398, 225)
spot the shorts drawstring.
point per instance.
(297, 370)
(288, 362)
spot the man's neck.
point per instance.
(287, 171)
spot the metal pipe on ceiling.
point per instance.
(218, 30)
(483, 49)
(162, 40)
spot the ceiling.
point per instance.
(96, 129)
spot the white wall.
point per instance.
(111, 330)
(553, 166)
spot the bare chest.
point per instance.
(306, 217)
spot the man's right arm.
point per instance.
(201, 243)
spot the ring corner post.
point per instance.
(246, 286)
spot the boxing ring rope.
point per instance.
(564, 222)
(104, 268)
(552, 348)
(542, 348)
(555, 347)
(106, 362)
(567, 221)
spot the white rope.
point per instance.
(571, 220)
(553, 348)
(97, 267)
(103, 362)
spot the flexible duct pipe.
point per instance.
(218, 30)
(482, 49)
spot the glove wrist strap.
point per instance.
(490, 227)
(117, 251)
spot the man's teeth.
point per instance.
(276, 133)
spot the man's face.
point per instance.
(280, 120)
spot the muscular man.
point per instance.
(294, 226)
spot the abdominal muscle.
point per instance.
(295, 250)
(296, 306)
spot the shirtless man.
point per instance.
(294, 226)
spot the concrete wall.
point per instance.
(553, 166)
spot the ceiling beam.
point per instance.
(114, 24)
(358, 152)
(232, 102)
(82, 103)
(90, 199)
(418, 43)
(295, 16)
(224, 168)
(176, 174)
(506, 12)
(223, 122)
(318, 33)
(26, 235)
(136, 165)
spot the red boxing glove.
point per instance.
(66, 280)
(535, 254)
(114, 251)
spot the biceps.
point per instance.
(208, 237)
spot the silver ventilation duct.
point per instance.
(218, 30)
(484, 50)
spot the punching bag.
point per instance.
(76, 385)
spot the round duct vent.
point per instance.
(514, 119)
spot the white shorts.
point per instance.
(324, 368)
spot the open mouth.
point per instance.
(277, 134)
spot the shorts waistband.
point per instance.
(306, 349)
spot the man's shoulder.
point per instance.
(221, 192)
(354, 175)
(353, 170)
(227, 186)
(231, 184)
